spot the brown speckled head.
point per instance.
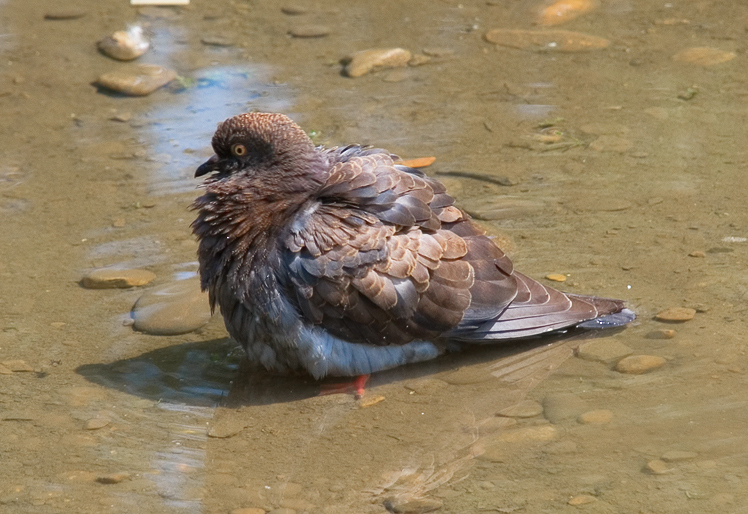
(256, 139)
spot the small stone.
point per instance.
(418, 60)
(97, 423)
(562, 11)
(111, 278)
(175, 308)
(606, 351)
(582, 499)
(137, 80)
(124, 45)
(595, 417)
(661, 334)
(363, 62)
(113, 478)
(370, 400)
(216, 41)
(413, 505)
(607, 143)
(64, 14)
(309, 31)
(248, 510)
(438, 52)
(17, 366)
(118, 222)
(697, 253)
(556, 277)
(294, 10)
(225, 428)
(638, 364)
(524, 409)
(562, 406)
(703, 56)
(657, 467)
(122, 117)
(678, 456)
(676, 314)
(546, 40)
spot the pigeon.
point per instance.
(342, 262)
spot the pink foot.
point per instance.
(357, 385)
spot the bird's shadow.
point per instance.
(215, 372)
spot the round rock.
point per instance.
(363, 62)
(524, 409)
(638, 364)
(137, 80)
(309, 31)
(676, 314)
(595, 417)
(124, 45)
(110, 278)
(175, 308)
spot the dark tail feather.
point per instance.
(538, 310)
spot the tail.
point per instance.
(538, 309)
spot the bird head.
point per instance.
(265, 146)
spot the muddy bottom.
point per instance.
(611, 156)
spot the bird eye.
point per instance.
(239, 150)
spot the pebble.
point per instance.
(678, 456)
(595, 417)
(294, 10)
(370, 400)
(562, 11)
(64, 14)
(582, 499)
(97, 423)
(17, 366)
(412, 505)
(113, 478)
(438, 52)
(248, 510)
(638, 364)
(697, 253)
(363, 62)
(122, 117)
(606, 143)
(524, 409)
(418, 60)
(703, 56)
(124, 45)
(657, 467)
(138, 79)
(216, 41)
(309, 31)
(556, 277)
(606, 351)
(225, 428)
(118, 222)
(661, 334)
(556, 40)
(112, 278)
(175, 308)
(676, 314)
(562, 406)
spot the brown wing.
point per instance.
(383, 257)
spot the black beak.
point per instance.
(208, 166)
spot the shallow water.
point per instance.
(610, 166)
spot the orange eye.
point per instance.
(239, 150)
